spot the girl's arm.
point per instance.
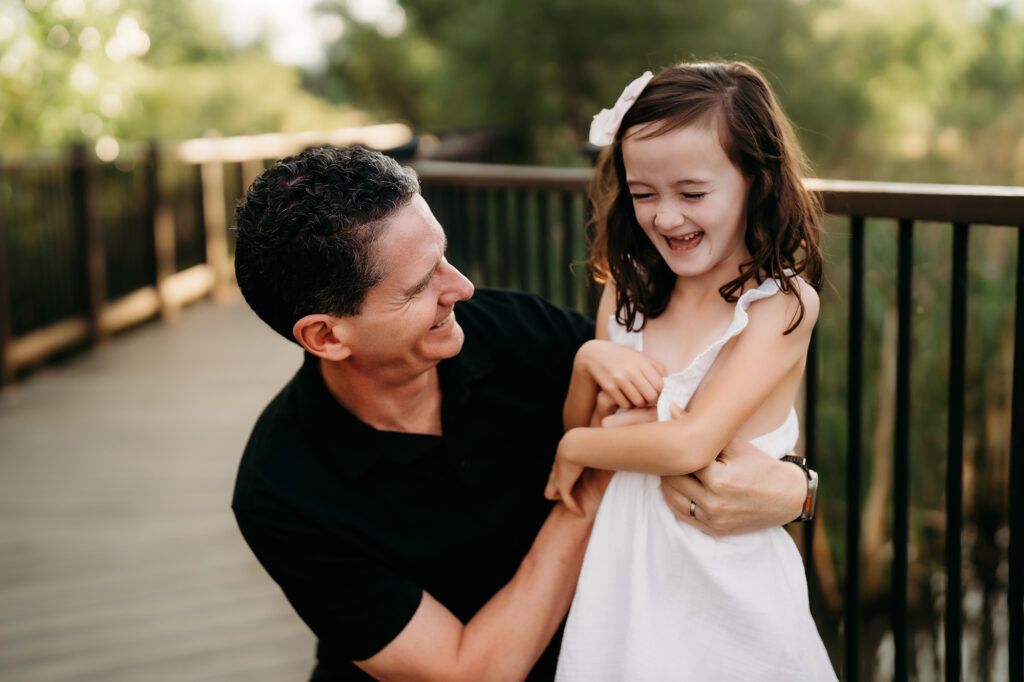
(626, 376)
(631, 378)
(581, 398)
(762, 358)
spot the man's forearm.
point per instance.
(506, 637)
(790, 484)
(508, 634)
(580, 399)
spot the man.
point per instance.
(394, 487)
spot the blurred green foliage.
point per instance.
(922, 90)
(72, 70)
(918, 90)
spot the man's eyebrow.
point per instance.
(422, 283)
(425, 280)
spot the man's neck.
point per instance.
(406, 403)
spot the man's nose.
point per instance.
(457, 286)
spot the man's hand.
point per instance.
(742, 491)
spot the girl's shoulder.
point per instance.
(797, 285)
(783, 302)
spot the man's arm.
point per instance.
(742, 491)
(507, 636)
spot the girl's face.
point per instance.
(689, 199)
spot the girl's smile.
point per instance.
(688, 242)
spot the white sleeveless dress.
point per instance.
(659, 600)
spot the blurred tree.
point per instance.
(538, 71)
(139, 69)
(57, 68)
(919, 90)
(941, 84)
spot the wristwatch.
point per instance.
(807, 513)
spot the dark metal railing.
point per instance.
(955, 453)
(1016, 551)
(908, 204)
(523, 227)
(901, 453)
(854, 448)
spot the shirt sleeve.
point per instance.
(354, 602)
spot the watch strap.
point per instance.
(807, 512)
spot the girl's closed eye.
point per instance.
(694, 195)
(640, 196)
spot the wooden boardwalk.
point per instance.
(119, 557)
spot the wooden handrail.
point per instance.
(959, 204)
(974, 204)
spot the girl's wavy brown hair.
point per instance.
(783, 218)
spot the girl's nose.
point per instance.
(668, 218)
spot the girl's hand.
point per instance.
(561, 482)
(629, 377)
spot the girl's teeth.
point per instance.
(685, 238)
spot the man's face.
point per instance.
(407, 320)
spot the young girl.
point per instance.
(703, 232)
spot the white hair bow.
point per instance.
(606, 123)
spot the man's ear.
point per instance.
(325, 336)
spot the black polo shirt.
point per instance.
(354, 523)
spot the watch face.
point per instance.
(812, 495)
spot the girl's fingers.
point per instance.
(621, 399)
(651, 393)
(569, 501)
(635, 396)
(656, 378)
(631, 392)
(550, 491)
(676, 411)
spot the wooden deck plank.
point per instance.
(119, 556)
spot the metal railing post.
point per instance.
(162, 224)
(215, 225)
(6, 368)
(901, 450)
(1015, 591)
(955, 454)
(810, 429)
(851, 591)
(90, 236)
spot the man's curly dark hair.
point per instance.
(307, 229)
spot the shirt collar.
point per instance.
(356, 446)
